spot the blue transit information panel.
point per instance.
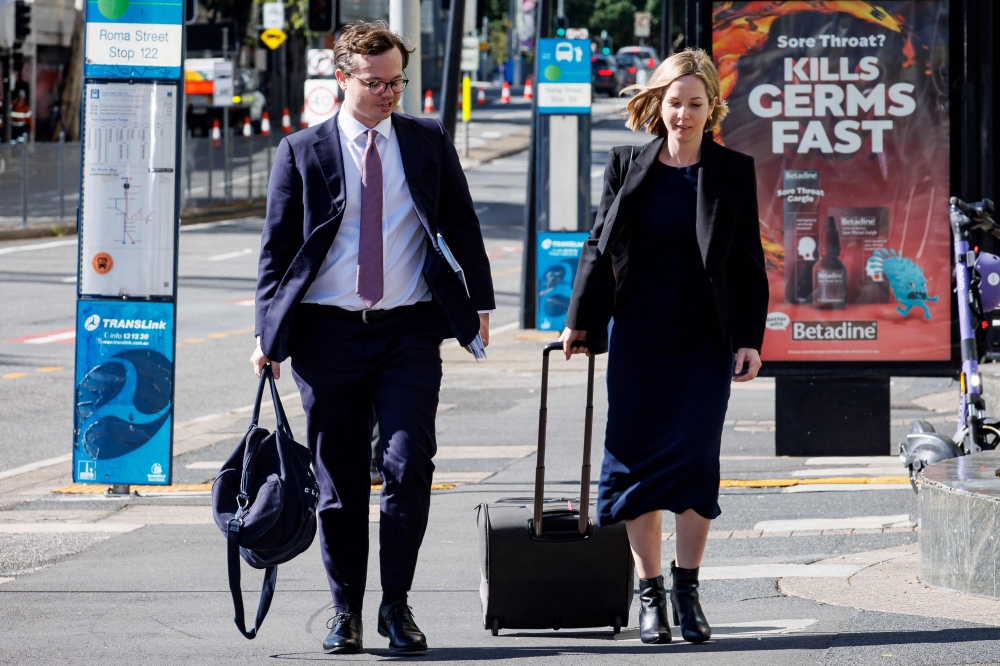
(123, 402)
(563, 76)
(558, 256)
(135, 39)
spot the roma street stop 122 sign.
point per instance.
(134, 39)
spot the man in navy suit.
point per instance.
(353, 286)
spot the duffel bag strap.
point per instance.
(266, 592)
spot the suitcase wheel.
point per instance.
(495, 627)
(618, 623)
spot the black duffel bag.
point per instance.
(264, 500)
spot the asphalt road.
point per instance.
(158, 594)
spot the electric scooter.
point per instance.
(977, 285)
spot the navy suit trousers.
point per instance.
(343, 369)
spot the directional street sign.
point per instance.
(273, 15)
(273, 38)
(563, 76)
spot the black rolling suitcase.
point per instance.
(544, 563)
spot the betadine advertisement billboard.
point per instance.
(844, 107)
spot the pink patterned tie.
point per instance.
(369, 286)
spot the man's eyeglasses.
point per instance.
(377, 87)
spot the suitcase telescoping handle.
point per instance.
(587, 439)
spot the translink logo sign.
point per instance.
(92, 322)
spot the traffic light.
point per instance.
(22, 21)
(562, 23)
(606, 44)
(322, 14)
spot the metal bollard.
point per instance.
(250, 165)
(24, 182)
(211, 168)
(62, 161)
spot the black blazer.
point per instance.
(305, 206)
(728, 235)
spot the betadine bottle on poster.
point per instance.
(800, 195)
(830, 274)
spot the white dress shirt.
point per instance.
(404, 241)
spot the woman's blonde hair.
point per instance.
(643, 110)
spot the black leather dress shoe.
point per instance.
(345, 633)
(395, 621)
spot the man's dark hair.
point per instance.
(367, 39)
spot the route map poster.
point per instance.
(123, 403)
(844, 107)
(128, 194)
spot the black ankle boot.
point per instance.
(653, 624)
(687, 609)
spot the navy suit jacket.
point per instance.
(305, 206)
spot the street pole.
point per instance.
(24, 181)
(529, 289)
(404, 20)
(666, 29)
(8, 98)
(452, 61)
(62, 164)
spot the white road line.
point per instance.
(230, 255)
(246, 302)
(47, 339)
(37, 246)
(505, 327)
(482, 452)
(854, 460)
(895, 470)
(779, 571)
(205, 464)
(860, 522)
(31, 467)
(68, 280)
(5, 580)
(67, 528)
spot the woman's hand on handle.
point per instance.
(258, 360)
(568, 337)
(750, 357)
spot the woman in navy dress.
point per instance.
(675, 258)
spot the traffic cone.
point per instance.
(303, 123)
(247, 129)
(529, 92)
(458, 99)
(428, 102)
(286, 121)
(265, 125)
(216, 135)
(481, 97)
(505, 93)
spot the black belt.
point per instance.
(360, 316)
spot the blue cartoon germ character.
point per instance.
(907, 280)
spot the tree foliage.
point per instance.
(615, 16)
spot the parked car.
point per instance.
(645, 54)
(631, 66)
(199, 86)
(606, 76)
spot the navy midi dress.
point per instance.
(669, 368)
